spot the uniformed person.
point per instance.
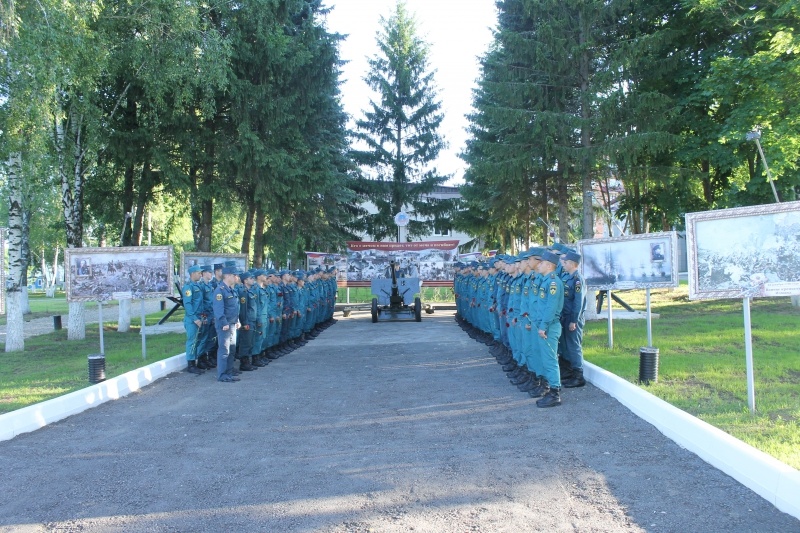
(572, 320)
(248, 314)
(226, 321)
(208, 337)
(550, 303)
(192, 296)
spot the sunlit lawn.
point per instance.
(702, 363)
(52, 366)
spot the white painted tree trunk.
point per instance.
(124, 323)
(76, 323)
(796, 301)
(15, 341)
(25, 301)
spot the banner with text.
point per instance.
(429, 261)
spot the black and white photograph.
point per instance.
(190, 259)
(100, 274)
(744, 252)
(642, 261)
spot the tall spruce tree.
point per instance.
(398, 138)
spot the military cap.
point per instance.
(229, 270)
(195, 268)
(550, 256)
(559, 247)
(230, 263)
(207, 268)
(218, 266)
(245, 275)
(572, 256)
(299, 274)
(535, 251)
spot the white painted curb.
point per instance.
(776, 482)
(39, 415)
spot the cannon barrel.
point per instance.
(394, 274)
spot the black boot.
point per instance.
(551, 399)
(202, 362)
(245, 365)
(521, 378)
(257, 361)
(508, 367)
(192, 368)
(532, 384)
(273, 353)
(542, 389)
(576, 380)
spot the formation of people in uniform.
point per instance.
(529, 309)
(253, 317)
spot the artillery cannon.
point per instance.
(396, 299)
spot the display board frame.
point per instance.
(104, 274)
(642, 261)
(744, 252)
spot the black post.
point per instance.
(56, 322)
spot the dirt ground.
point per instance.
(388, 427)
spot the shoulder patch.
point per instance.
(553, 288)
(188, 293)
(219, 297)
(577, 286)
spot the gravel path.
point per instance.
(389, 427)
(41, 326)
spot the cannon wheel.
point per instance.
(417, 309)
(374, 310)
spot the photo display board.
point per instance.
(103, 274)
(644, 261)
(429, 261)
(744, 252)
(324, 260)
(190, 259)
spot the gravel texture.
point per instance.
(389, 427)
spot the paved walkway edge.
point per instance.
(39, 415)
(776, 482)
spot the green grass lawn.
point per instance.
(702, 363)
(52, 366)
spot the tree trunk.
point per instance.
(26, 257)
(563, 206)
(127, 205)
(124, 322)
(72, 182)
(145, 184)
(258, 240)
(248, 228)
(586, 143)
(202, 206)
(55, 266)
(15, 340)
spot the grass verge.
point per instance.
(52, 366)
(702, 363)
